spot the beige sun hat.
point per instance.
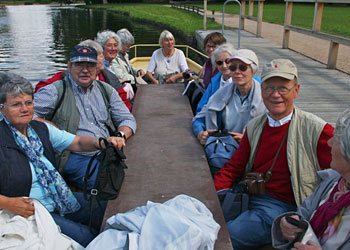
(284, 68)
(247, 56)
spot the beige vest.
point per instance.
(303, 134)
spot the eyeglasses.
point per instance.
(18, 105)
(241, 67)
(281, 89)
(219, 63)
(82, 65)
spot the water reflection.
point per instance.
(35, 41)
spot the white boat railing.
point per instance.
(187, 49)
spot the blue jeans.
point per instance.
(253, 227)
(75, 225)
(75, 170)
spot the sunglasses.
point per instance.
(241, 67)
(219, 63)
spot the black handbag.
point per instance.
(110, 174)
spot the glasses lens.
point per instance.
(219, 63)
(243, 67)
(232, 67)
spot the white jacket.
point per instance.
(181, 223)
(38, 232)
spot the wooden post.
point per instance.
(205, 16)
(287, 21)
(243, 14)
(316, 26)
(251, 8)
(332, 55)
(260, 15)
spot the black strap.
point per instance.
(111, 131)
(268, 174)
(59, 103)
(90, 172)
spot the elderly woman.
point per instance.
(167, 63)
(121, 65)
(211, 42)
(27, 163)
(218, 59)
(111, 44)
(326, 212)
(234, 105)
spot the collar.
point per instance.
(243, 99)
(284, 120)
(223, 82)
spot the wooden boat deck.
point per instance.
(323, 92)
(164, 158)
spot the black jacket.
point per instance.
(15, 172)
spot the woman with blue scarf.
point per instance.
(27, 163)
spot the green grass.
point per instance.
(181, 20)
(13, 2)
(335, 19)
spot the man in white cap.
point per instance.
(264, 148)
(83, 106)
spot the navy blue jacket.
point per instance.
(15, 172)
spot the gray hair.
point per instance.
(103, 36)
(342, 133)
(226, 47)
(165, 35)
(14, 85)
(92, 44)
(126, 37)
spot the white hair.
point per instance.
(165, 35)
(226, 47)
(103, 36)
(342, 133)
(126, 37)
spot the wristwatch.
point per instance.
(121, 134)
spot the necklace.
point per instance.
(168, 57)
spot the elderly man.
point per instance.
(265, 143)
(84, 106)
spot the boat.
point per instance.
(139, 60)
(141, 54)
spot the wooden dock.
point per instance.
(323, 92)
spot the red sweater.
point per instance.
(59, 76)
(279, 186)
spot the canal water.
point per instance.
(35, 40)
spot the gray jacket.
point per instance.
(239, 115)
(327, 179)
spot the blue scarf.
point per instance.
(52, 182)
